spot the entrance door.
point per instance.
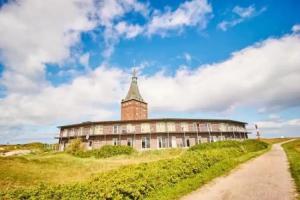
(173, 143)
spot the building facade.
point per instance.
(136, 130)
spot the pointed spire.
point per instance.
(134, 92)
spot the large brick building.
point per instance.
(136, 130)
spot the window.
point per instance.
(184, 127)
(145, 142)
(129, 142)
(188, 142)
(162, 142)
(199, 140)
(116, 129)
(116, 141)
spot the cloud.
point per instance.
(189, 13)
(84, 60)
(128, 30)
(187, 57)
(278, 127)
(264, 75)
(296, 28)
(243, 14)
(34, 33)
(110, 18)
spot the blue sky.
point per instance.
(70, 61)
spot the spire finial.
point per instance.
(133, 73)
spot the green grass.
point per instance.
(168, 178)
(34, 147)
(63, 168)
(274, 140)
(292, 150)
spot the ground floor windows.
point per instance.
(129, 142)
(116, 141)
(173, 142)
(162, 142)
(145, 142)
(187, 142)
(198, 140)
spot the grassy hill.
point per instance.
(160, 174)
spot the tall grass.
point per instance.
(147, 179)
(292, 150)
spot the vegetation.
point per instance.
(292, 150)
(52, 168)
(76, 148)
(154, 180)
(274, 140)
(35, 147)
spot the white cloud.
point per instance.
(128, 30)
(34, 33)
(278, 127)
(187, 57)
(296, 28)
(86, 97)
(84, 60)
(243, 14)
(263, 75)
(110, 18)
(189, 13)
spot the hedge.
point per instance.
(76, 148)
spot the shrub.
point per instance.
(138, 181)
(110, 150)
(104, 152)
(75, 146)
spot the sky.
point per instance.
(70, 61)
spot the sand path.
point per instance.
(265, 178)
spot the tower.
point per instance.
(133, 107)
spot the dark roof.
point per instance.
(152, 120)
(134, 93)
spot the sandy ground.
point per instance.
(265, 178)
(16, 152)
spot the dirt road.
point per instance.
(265, 178)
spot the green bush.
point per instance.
(138, 181)
(75, 146)
(109, 151)
(104, 152)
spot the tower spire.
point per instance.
(134, 92)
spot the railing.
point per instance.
(125, 132)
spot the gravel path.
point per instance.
(265, 178)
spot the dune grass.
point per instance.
(292, 150)
(274, 140)
(62, 168)
(166, 178)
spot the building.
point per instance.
(136, 130)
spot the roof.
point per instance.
(152, 120)
(134, 93)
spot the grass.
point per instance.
(174, 173)
(191, 184)
(274, 140)
(292, 150)
(62, 168)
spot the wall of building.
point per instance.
(134, 110)
(162, 134)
